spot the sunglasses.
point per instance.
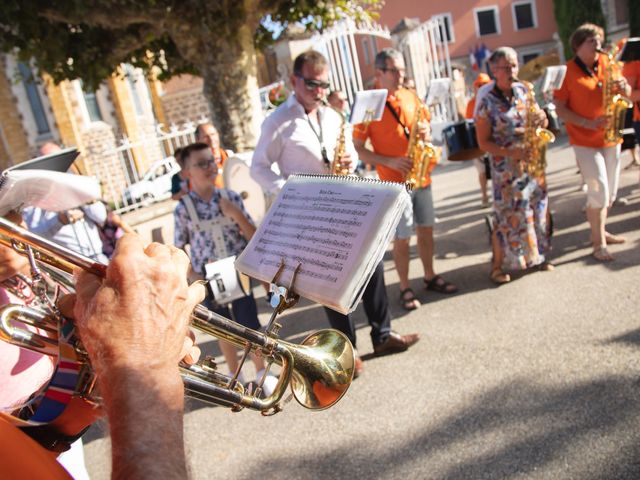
(393, 70)
(313, 84)
(206, 164)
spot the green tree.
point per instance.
(571, 14)
(216, 39)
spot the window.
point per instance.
(487, 21)
(527, 57)
(35, 102)
(524, 15)
(446, 27)
(90, 100)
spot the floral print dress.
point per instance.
(520, 202)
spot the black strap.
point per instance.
(50, 438)
(407, 132)
(500, 94)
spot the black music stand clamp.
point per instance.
(282, 298)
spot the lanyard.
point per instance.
(500, 94)
(323, 150)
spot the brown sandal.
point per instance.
(408, 299)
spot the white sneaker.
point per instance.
(269, 384)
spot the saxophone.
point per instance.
(337, 167)
(535, 138)
(614, 105)
(423, 154)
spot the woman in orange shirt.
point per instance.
(579, 102)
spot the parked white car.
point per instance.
(155, 184)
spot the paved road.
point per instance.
(536, 379)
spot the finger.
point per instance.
(86, 284)
(196, 294)
(192, 356)
(66, 305)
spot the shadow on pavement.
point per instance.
(542, 423)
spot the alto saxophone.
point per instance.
(535, 138)
(337, 166)
(422, 154)
(614, 105)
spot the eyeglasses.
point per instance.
(506, 67)
(393, 70)
(206, 164)
(313, 84)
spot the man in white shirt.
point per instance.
(300, 137)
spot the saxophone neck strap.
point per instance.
(407, 132)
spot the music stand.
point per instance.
(631, 50)
(553, 78)
(368, 106)
(438, 92)
(58, 161)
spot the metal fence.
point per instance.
(126, 172)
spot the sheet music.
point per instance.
(330, 228)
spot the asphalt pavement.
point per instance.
(536, 379)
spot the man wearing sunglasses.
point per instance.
(300, 137)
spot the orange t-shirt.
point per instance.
(220, 162)
(583, 96)
(632, 70)
(387, 136)
(22, 457)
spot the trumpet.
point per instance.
(319, 370)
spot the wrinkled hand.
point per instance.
(540, 118)
(137, 316)
(402, 164)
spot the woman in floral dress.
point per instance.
(520, 238)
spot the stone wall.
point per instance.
(14, 146)
(183, 106)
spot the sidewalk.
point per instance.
(535, 379)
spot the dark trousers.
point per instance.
(376, 306)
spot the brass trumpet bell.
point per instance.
(324, 364)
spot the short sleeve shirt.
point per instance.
(631, 71)
(203, 248)
(583, 95)
(387, 136)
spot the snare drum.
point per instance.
(461, 141)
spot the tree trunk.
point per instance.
(231, 86)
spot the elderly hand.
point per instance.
(137, 317)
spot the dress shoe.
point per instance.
(358, 367)
(396, 343)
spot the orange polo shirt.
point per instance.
(631, 70)
(22, 457)
(387, 136)
(584, 97)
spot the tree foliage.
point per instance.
(571, 14)
(89, 39)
